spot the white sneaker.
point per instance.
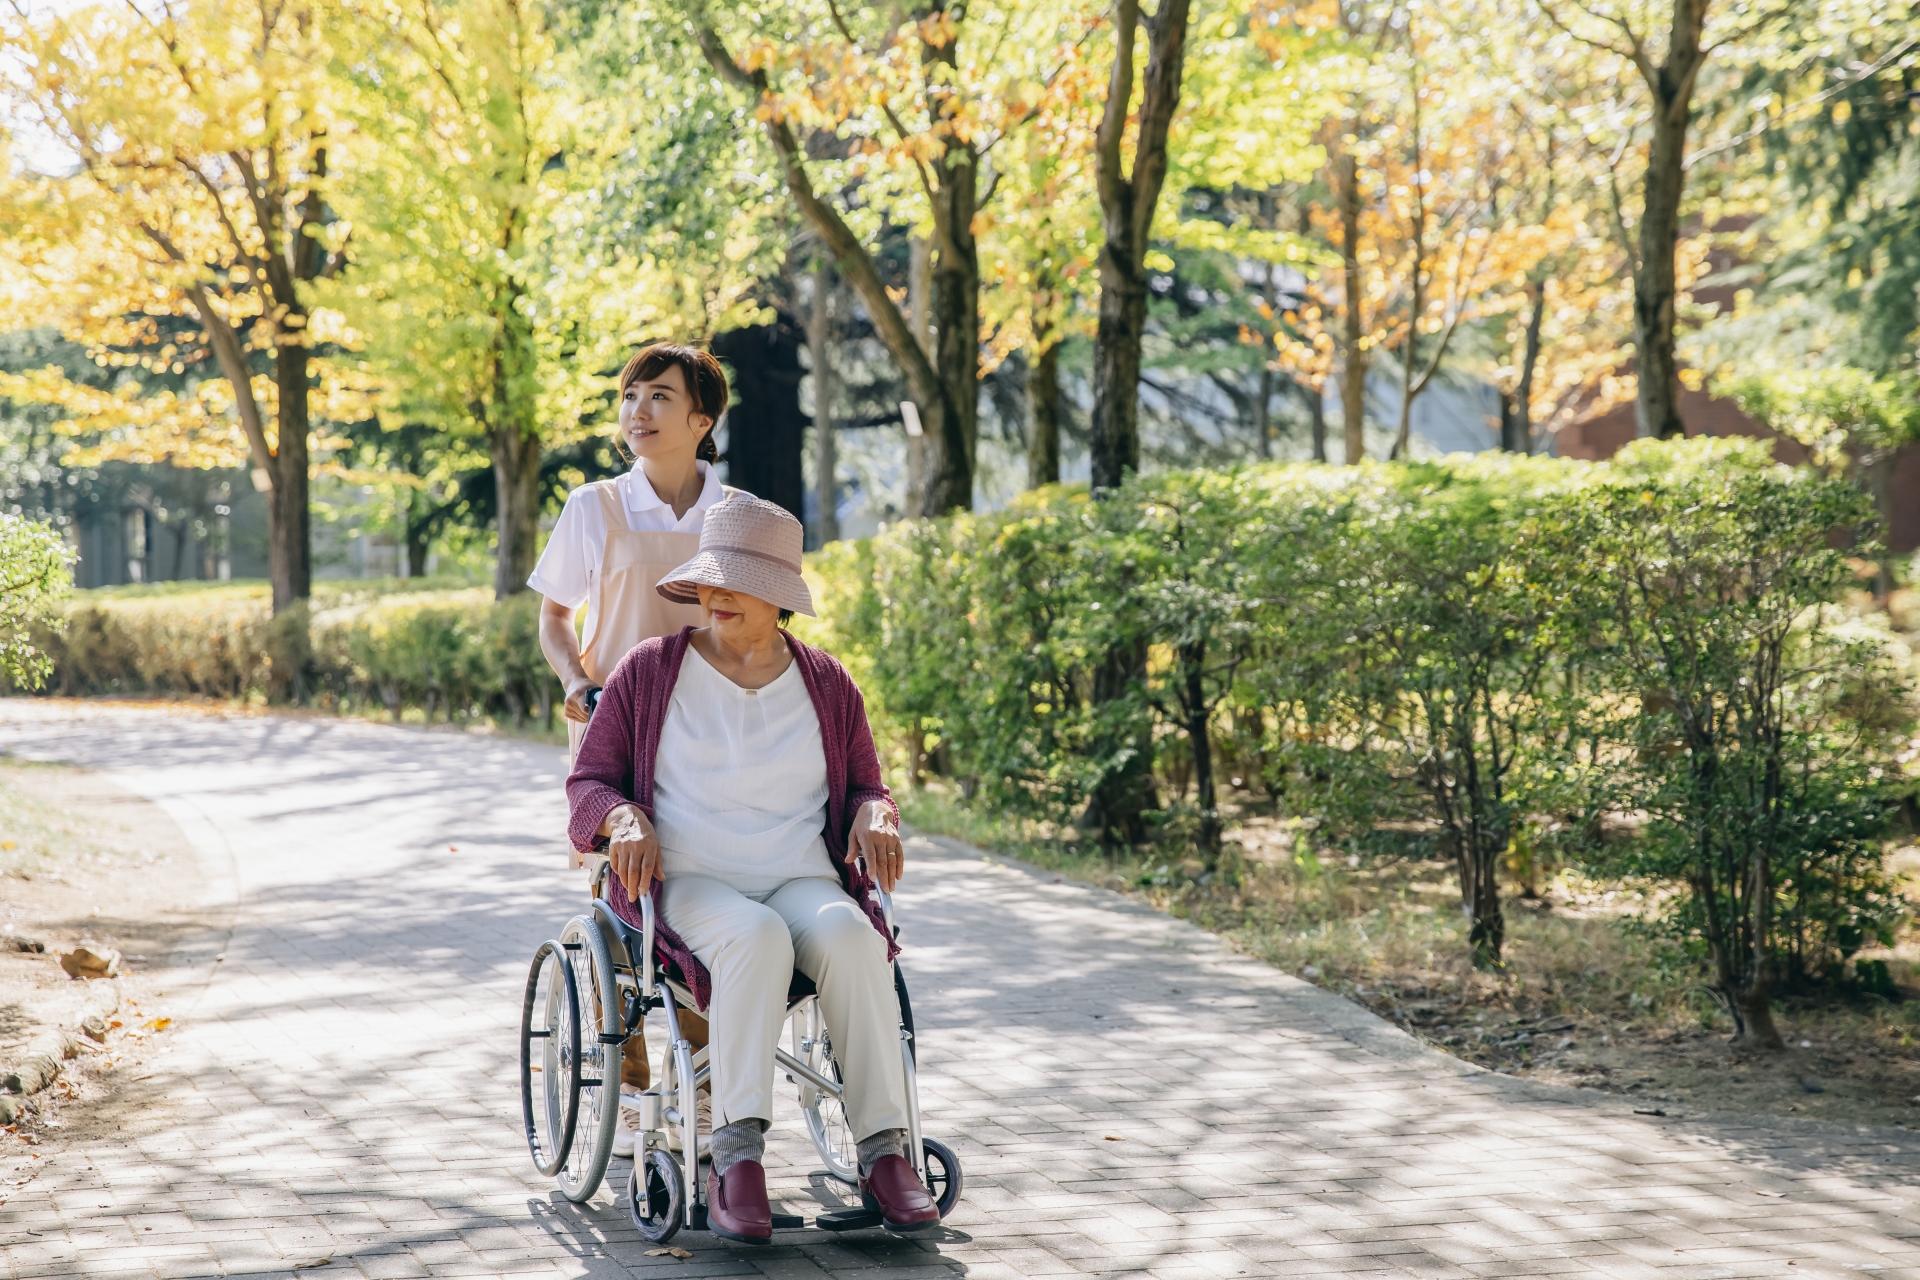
(702, 1123)
(626, 1131)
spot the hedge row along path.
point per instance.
(1128, 1098)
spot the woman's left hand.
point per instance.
(877, 837)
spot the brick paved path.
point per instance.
(343, 1086)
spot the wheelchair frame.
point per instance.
(594, 1023)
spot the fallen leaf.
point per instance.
(1114, 1137)
(159, 1024)
(1777, 1195)
(675, 1252)
(317, 1262)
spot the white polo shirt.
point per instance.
(572, 556)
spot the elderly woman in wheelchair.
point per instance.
(730, 777)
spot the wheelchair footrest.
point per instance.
(781, 1221)
(855, 1219)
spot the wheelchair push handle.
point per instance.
(646, 941)
(886, 899)
(590, 700)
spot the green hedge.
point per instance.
(451, 652)
(1479, 659)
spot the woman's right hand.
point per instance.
(577, 690)
(634, 849)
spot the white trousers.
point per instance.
(751, 950)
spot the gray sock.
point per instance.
(741, 1140)
(887, 1142)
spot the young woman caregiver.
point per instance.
(614, 541)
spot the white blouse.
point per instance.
(740, 784)
(565, 572)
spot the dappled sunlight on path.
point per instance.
(1126, 1096)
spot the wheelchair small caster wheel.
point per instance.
(656, 1196)
(944, 1179)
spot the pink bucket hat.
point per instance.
(750, 546)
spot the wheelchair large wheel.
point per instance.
(656, 1196)
(826, 1115)
(549, 1058)
(596, 994)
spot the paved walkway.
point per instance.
(1127, 1098)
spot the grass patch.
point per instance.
(38, 837)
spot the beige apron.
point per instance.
(622, 610)
(622, 606)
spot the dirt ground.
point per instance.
(82, 859)
(1583, 1001)
(1842, 1064)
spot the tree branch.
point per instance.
(1113, 187)
(855, 263)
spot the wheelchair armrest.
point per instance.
(635, 952)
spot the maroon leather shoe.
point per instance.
(897, 1192)
(737, 1205)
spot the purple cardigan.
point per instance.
(615, 767)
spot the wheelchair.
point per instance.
(589, 991)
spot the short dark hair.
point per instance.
(706, 382)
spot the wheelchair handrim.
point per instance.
(568, 1048)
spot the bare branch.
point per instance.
(1786, 113)
(856, 264)
(1630, 53)
(220, 206)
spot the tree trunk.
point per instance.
(920, 322)
(513, 440)
(1125, 791)
(418, 544)
(1263, 411)
(1316, 418)
(1262, 424)
(516, 476)
(1655, 292)
(1200, 742)
(956, 338)
(1116, 368)
(1417, 306)
(1353, 357)
(1752, 1009)
(289, 539)
(1480, 899)
(1657, 409)
(1043, 398)
(1529, 363)
(1127, 203)
(825, 458)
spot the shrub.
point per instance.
(1765, 723)
(33, 579)
(1474, 657)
